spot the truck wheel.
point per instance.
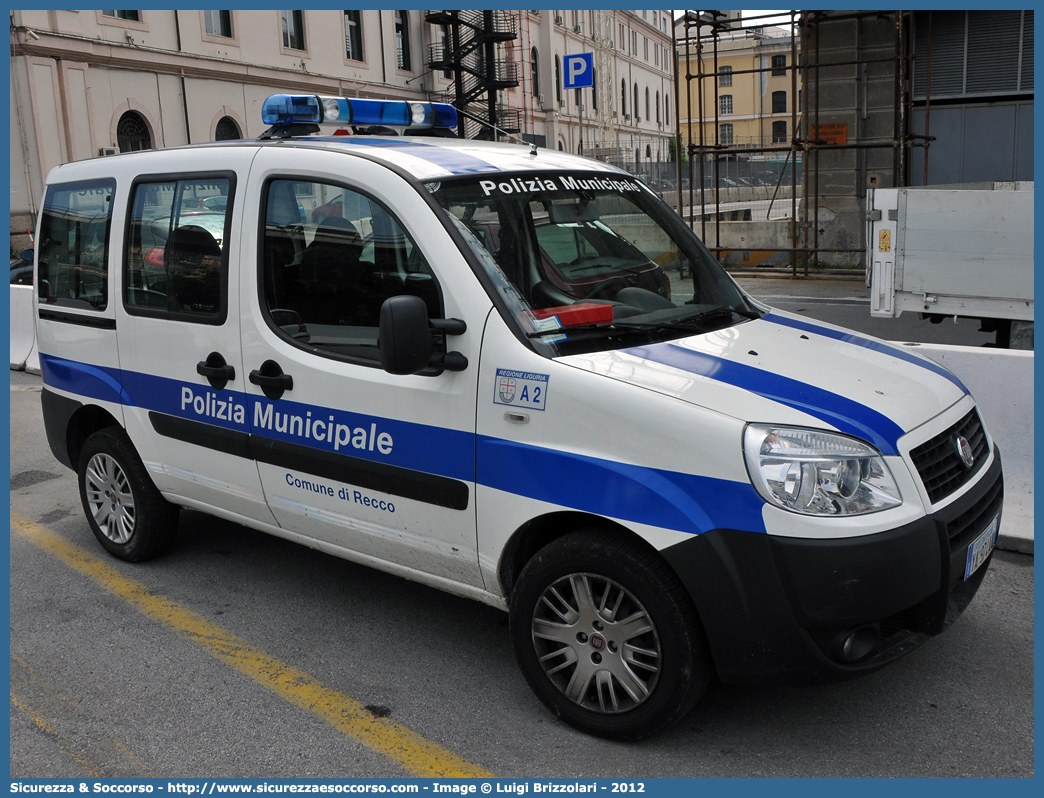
(607, 637)
(127, 514)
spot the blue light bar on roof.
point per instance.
(282, 109)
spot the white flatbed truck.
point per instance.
(958, 250)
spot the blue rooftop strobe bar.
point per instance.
(286, 109)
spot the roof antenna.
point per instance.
(532, 146)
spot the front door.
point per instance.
(377, 467)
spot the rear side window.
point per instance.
(330, 258)
(177, 248)
(74, 244)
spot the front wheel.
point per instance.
(126, 511)
(607, 637)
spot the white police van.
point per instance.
(463, 362)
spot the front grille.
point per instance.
(962, 529)
(938, 462)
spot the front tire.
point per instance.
(125, 510)
(607, 637)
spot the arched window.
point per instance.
(637, 108)
(227, 130)
(648, 116)
(666, 110)
(648, 152)
(561, 147)
(132, 133)
(623, 98)
(536, 71)
(658, 120)
(558, 79)
(402, 39)
(594, 89)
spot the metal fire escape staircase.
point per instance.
(478, 73)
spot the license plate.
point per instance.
(981, 547)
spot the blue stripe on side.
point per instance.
(667, 499)
(866, 343)
(94, 382)
(655, 497)
(846, 415)
(457, 163)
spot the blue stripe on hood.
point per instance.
(840, 412)
(866, 343)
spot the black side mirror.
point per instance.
(410, 343)
(27, 254)
(405, 341)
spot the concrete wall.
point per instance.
(1001, 380)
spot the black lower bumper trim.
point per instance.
(773, 607)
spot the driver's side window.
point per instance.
(330, 258)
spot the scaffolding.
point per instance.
(702, 32)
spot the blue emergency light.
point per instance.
(285, 109)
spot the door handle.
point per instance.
(271, 379)
(216, 370)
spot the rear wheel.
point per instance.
(126, 511)
(607, 637)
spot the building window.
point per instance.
(666, 110)
(648, 115)
(779, 102)
(130, 16)
(227, 130)
(645, 47)
(535, 68)
(594, 89)
(353, 48)
(779, 132)
(132, 133)
(218, 23)
(779, 65)
(293, 30)
(558, 79)
(637, 108)
(725, 104)
(725, 76)
(623, 98)
(658, 119)
(725, 134)
(402, 39)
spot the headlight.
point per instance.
(817, 473)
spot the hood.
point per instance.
(785, 369)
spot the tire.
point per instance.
(126, 511)
(607, 637)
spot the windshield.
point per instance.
(591, 261)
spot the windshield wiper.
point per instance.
(714, 314)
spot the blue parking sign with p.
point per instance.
(579, 70)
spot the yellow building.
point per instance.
(748, 82)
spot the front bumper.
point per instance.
(774, 607)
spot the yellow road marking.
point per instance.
(414, 753)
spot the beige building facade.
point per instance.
(85, 84)
(747, 95)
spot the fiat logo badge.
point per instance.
(964, 451)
